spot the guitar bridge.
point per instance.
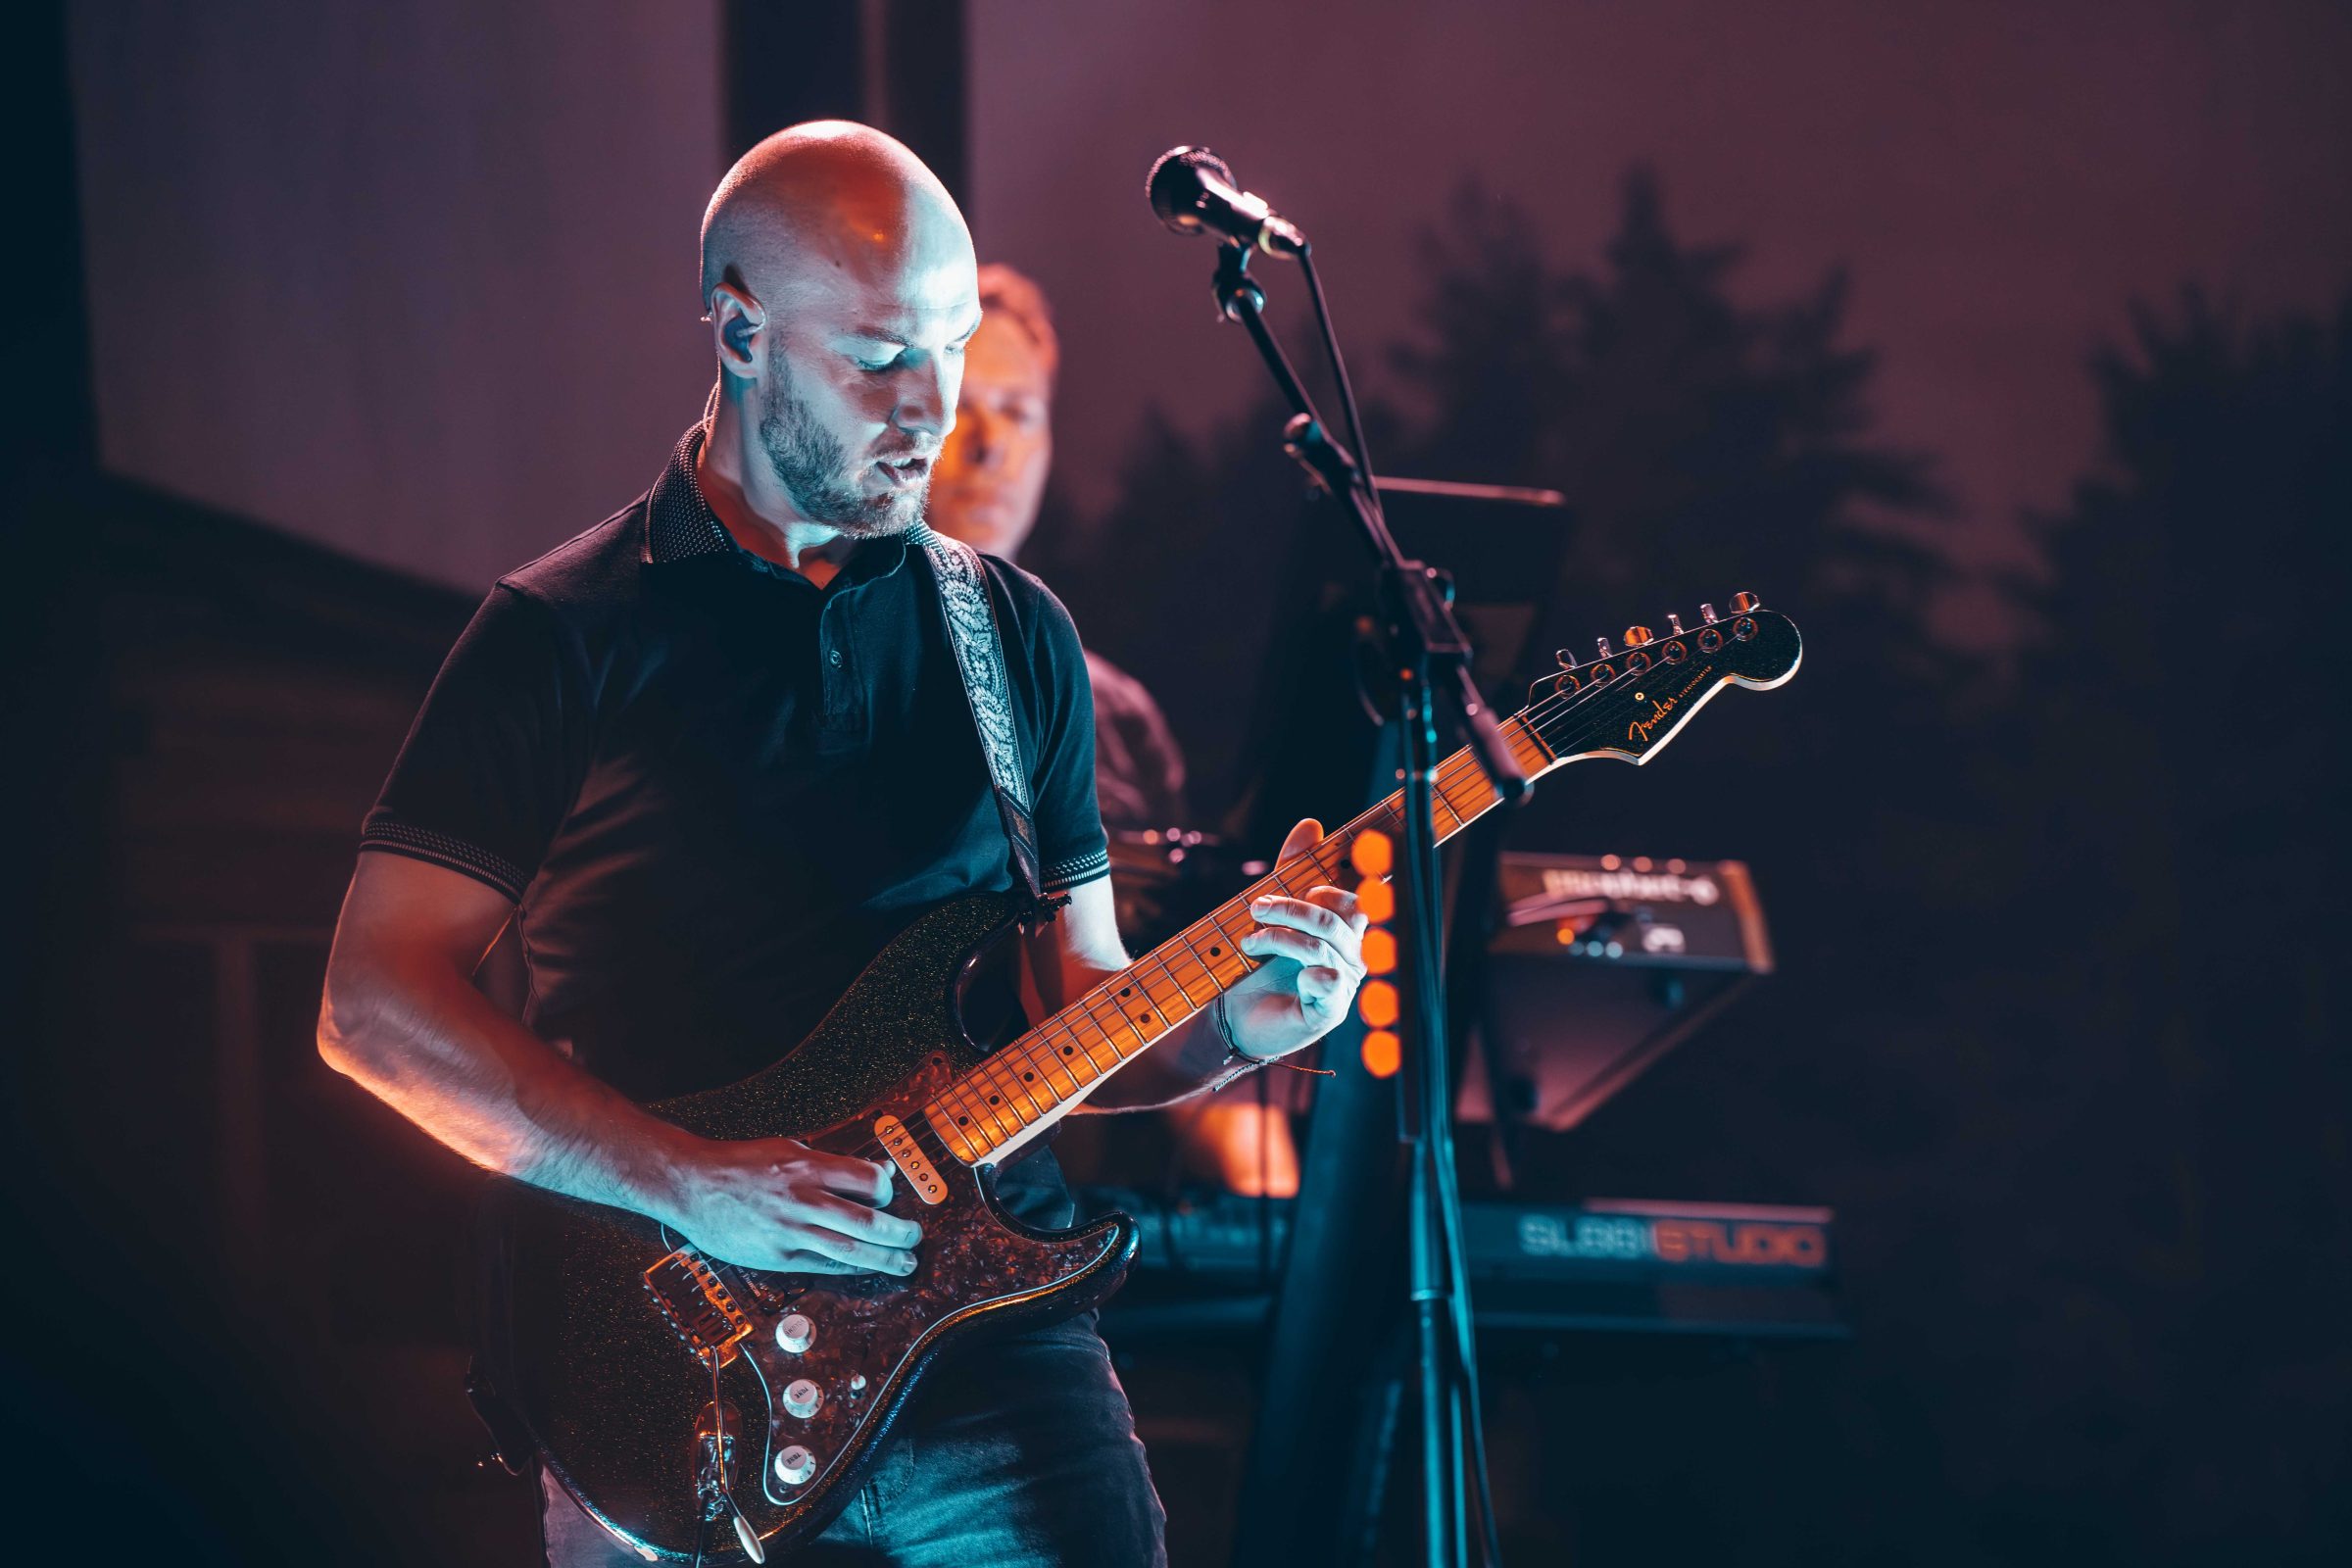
(699, 1306)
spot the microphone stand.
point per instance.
(1439, 706)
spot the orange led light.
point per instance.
(1384, 1054)
(1377, 1003)
(1372, 853)
(1380, 949)
(1376, 900)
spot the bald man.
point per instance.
(707, 757)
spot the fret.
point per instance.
(1020, 1083)
(956, 1099)
(1091, 1006)
(1143, 983)
(1076, 1059)
(1206, 973)
(1049, 1055)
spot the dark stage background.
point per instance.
(2003, 346)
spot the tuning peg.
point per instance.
(1567, 660)
(1637, 636)
(1602, 643)
(1674, 624)
(1744, 603)
(1707, 613)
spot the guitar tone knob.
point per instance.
(795, 1333)
(801, 1398)
(1638, 636)
(795, 1465)
(1744, 603)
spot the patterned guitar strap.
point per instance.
(971, 617)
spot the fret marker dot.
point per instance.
(964, 1121)
(991, 1099)
(1028, 1077)
(1069, 1051)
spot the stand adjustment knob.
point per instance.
(1637, 636)
(795, 1333)
(795, 1465)
(801, 1398)
(1744, 603)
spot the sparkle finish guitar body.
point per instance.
(607, 1373)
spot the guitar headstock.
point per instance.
(1628, 702)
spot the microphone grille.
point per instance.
(1174, 186)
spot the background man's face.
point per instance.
(992, 473)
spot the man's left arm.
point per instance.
(1311, 953)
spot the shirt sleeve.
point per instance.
(1071, 848)
(495, 758)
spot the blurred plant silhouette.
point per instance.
(2054, 1026)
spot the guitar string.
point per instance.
(1037, 1051)
(1461, 765)
(1451, 771)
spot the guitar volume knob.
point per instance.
(795, 1333)
(795, 1465)
(801, 1398)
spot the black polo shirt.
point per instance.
(716, 790)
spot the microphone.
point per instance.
(1193, 193)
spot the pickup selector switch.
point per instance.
(801, 1398)
(795, 1333)
(795, 1465)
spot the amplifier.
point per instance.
(1597, 967)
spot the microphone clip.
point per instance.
(1233, 288)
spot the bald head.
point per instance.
(830, 196)
(841, 289)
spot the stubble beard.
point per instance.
(810, 464)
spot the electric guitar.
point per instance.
(668, 1391)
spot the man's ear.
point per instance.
(736, 322)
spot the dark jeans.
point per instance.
(1021, 1452)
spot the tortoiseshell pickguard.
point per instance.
(609, 1390)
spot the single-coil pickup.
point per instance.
(910, 1158)
(698, 1306)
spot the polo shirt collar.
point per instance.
(680, 525)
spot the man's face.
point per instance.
(992, 473)
(863, 377)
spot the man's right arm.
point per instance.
(401, 1016)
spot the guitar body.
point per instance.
(600, 1360)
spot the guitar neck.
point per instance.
(1034, 1081)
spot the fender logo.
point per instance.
(1639, 730)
